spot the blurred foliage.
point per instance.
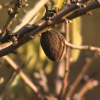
(75, 37)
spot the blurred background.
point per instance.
(44, 73)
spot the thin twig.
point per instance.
(7, 50)
(65, 79)
(84, 47)
(7, 86)
(23, 76)
(30, 14)
(26, 29)
(42, 24)
(13, 12)
(37, 28)
(81, 74)
(93, 5)
(91, 83)
(7, 4)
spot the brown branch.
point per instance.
(32, 12)
(60, 16)
(6, 88)
(38, 27)
(13, 12)
(91, 83)
(65, 79)
(80, 12)
(23, 76)
(93, 5)
(7, 4)
(27, 38)
(85, 47)
(81, 74)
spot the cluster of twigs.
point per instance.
(69, 11)
(28, 31)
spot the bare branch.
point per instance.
(85, 47)
(80, 12)
(39, 26)
(13, 12)
(7, 86)
(7, 4)
(93, 5)
(65, 79)
(60, 16)
(23, 76)
(78, 79)
(30, 14)
(91, 83)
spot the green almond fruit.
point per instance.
(53, 44)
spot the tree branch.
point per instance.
(23, 76)
(93, 5)
(65, 79)
(85, 47)
(78, 79)
(61, 15)
(13, 12)
(31, 12)
(91, 83)
(39, 26)
(7, 4)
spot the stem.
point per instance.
(78, 79)
(91, 83)
(23, 76)
(32, 12)
(7, 4)
(40, 26)
(65, 79)
(13, 12)
(5, 90)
